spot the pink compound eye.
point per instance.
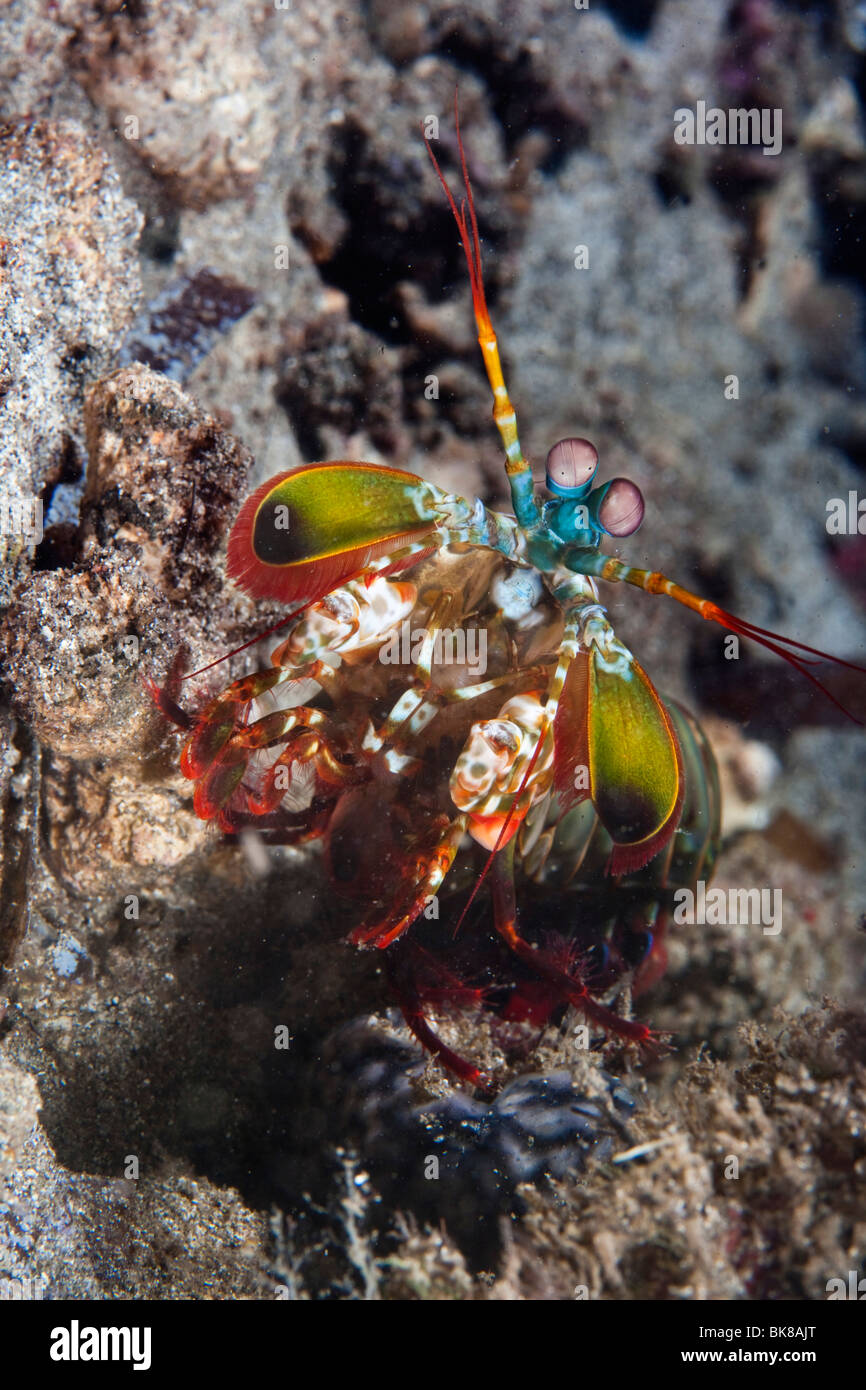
(571, 465)
(622, 508)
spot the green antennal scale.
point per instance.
(634, 764)
(311, 529)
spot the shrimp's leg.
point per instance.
(574, 991)
(422, 876)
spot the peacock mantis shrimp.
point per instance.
(559, 753)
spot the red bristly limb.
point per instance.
(409, 999)
(420, 1028)
(574, 991)
(450, 990)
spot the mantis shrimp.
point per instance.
(374, 731)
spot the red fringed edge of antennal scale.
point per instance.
(304, 581)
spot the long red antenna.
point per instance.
(526, 506)
(654, 582)
(468, 230)
(254, 641)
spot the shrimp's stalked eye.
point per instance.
(571, 466)
(621, 507)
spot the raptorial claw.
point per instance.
(425, 878)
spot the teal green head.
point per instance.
(580, 513)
